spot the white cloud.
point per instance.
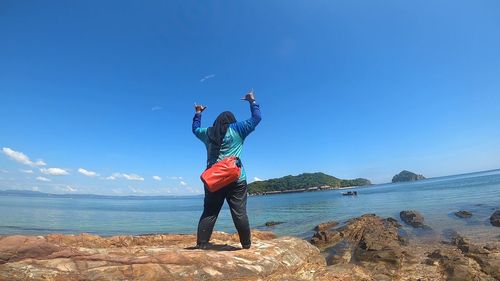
(157, 178)
(21, 157)
(210, 76)
(42, 179)
(130, 177)
(87, 173)
(183, 183)
(156, 108)
(26, 171)
(54, 171)
(175, 178)
(34, 188)
(257, 179)
(70, 189)
(133, 177)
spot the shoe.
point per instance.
(246, 247)
(202, 246)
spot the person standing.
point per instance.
(225, 138)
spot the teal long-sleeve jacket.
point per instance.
(232, 144)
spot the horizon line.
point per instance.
(195, 195)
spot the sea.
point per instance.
(436, 199)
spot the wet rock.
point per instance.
(327, 238)
(487, 256)
(369, 239)
(393, 221)
(495, 218)
(449, 233)
(458, 270)
(463, 214)
(455, 266)
(273, 223)
(412, 218)
(466, 247)
(325, 226)
(491, 247)
(375, 248)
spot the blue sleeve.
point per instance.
(244, 128)
(199, 132)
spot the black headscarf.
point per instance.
(216, 135)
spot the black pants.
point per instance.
(236, 196)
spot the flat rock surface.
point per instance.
(159, 257)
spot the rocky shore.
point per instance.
(364, 248)
(375, 248)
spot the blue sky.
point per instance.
(102, 93)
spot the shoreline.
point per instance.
(367, 247)
(307, 189)
(483, 232)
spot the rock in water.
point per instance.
(371, 248)
(371, 239)
(463, 214)
(412, 218)
(405, 176)
(495, 218)
(325, 226)
(273, 223)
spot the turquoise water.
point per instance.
(436, 199)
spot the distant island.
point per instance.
(405, 176)
(301, 183)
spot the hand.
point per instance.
(249, 96)
(199, 108)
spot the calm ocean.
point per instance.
(435, 198)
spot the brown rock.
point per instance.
(373, 247)
(273, 223)
(365, 248)
(377, 240)
(158, 257)
(369, 239)
(393, 221)
(325, 226)
(17, 247)
(412, 218)
(487, 256)
(463, 214)
(495, 218)
(326, 238)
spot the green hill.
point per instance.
(303, 181)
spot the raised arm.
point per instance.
(244, 128)
(199, 132)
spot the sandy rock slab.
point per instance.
(158, 257)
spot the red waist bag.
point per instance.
(222, 173)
